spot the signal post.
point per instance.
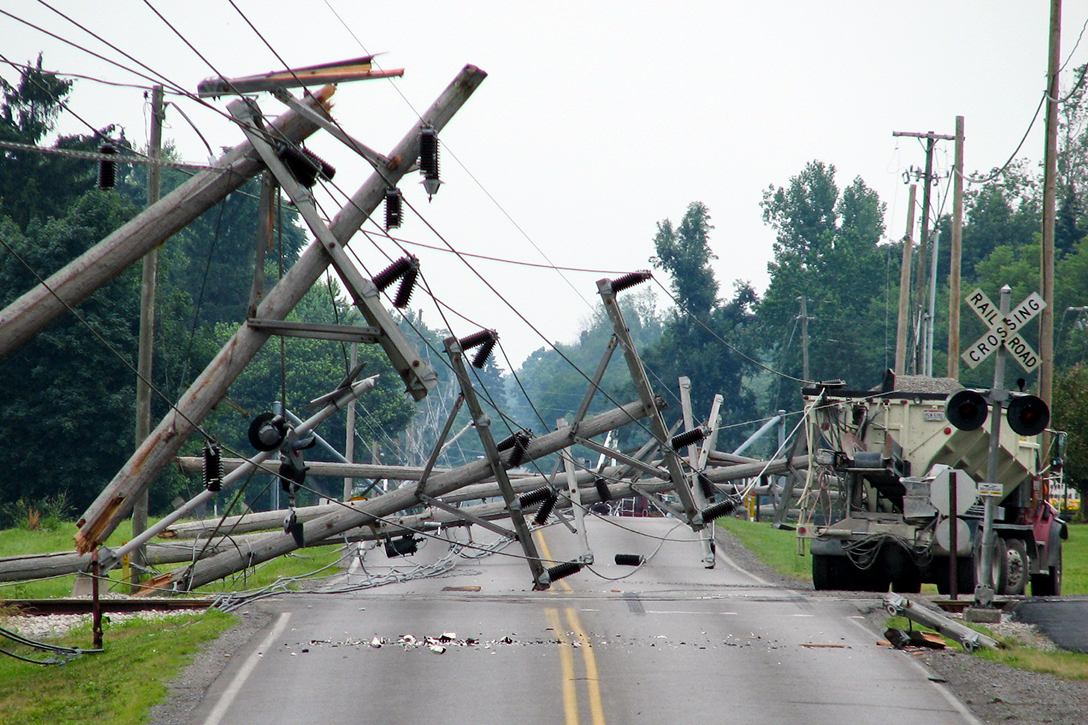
(1027, 414)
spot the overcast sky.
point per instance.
(597, 119)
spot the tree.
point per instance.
(703, 337)
(827, 249)
(34, 185)
(556, 379)
(67, 394)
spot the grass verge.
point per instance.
(118, 686)
(777, 548)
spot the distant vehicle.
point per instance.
(880, 508)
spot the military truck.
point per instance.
(892, 496)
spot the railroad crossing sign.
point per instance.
(1004, 331)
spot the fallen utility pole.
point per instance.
(74, 282)
(264, 520)
(212, 384)
(60, 563)
(365, 512)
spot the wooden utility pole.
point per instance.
(957, 256)
(148, 291)
(349, 434)
(804, 337)
(115, 501)
(931, 138)
(903, 319)
(1050, 188)
(266, 230)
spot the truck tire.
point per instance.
(1016, 568)
(838, 573)
(821, 572)
(1049, 584)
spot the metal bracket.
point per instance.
(421, 487)
(622, 458)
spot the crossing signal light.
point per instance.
(967, 410)
(1028, 415)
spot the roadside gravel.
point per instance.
(995, 693)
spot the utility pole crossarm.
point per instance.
(928, 134)
(358, 513)
(483, 428)
(418, 376)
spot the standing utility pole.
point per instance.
(918, 358)
(1050, 182)
(957, 255)
(804, 337)
(349, 424)
(903, 319)
(147, 322)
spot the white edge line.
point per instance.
(930, 675)
(242, 675)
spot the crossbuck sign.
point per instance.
(1004, 331)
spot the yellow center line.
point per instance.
(593, 682)
(566, 659)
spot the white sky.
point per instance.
(598, 119)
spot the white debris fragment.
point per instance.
(377, 642)
(438, 649)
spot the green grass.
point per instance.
(1067, 665)
(116, 687)
(777, 548)
(1075, 560)
(101, 688)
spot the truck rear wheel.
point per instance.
(821, 572)
(1016, 567)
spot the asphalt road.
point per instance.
(670, 642)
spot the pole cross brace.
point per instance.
(377, 160)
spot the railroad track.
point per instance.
(39, 607)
